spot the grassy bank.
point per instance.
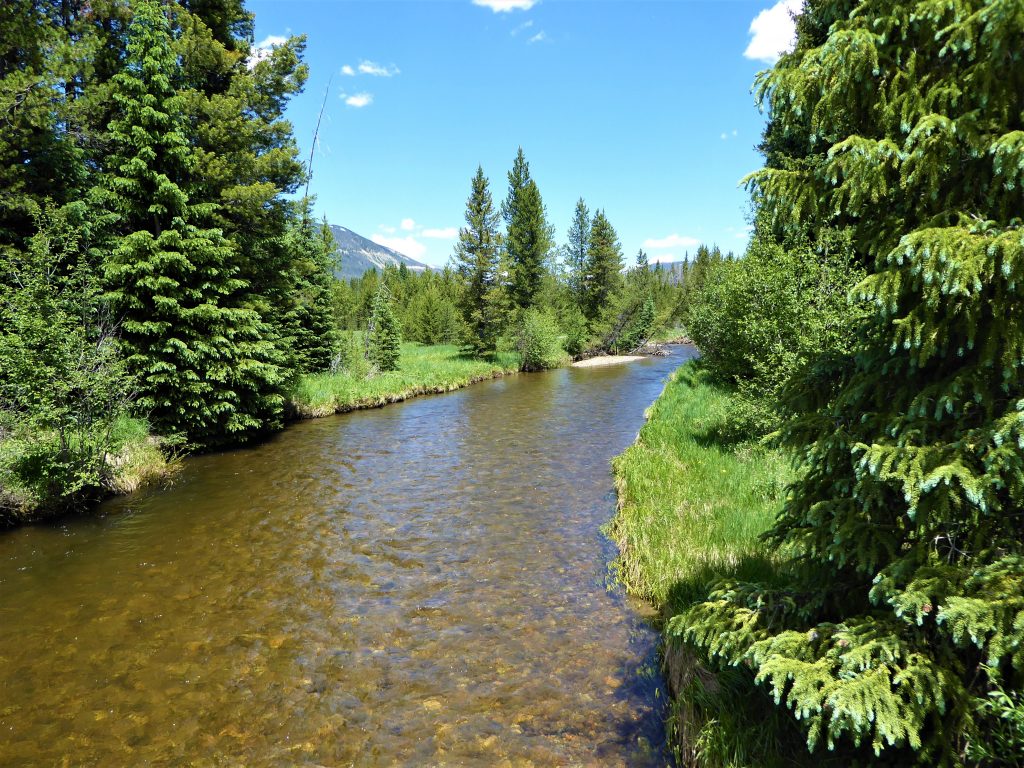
(422, 370)
(691, 509)
(39, 480)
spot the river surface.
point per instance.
(424, 584)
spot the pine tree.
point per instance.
(478, 263)
(576, 251)
(384, 336)
(528, 236)
(604, 267)
(901, 124)
(203, 366)
(311, 329)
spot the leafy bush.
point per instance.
(760, 319)
(537, 340)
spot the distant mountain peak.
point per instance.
(355, 255)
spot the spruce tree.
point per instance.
(203, 366)
(603, 267)
(576, 251)
(528, 236)
(384, 336)
(900, 123)
(311, 330)
(477, 259)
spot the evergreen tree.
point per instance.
(384, 336)
(203, 366)
(528, 236)
(901, 124)
(576, 252)
(604, 267)
(312, 335)
(478, 263)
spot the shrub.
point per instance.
(537, 341)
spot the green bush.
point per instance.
(537, 340)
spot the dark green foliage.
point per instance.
(477, 258)
(310, 323)
(436, 320)
(528, 237)
(603, 268)
(902, 126)
(576, 252)
(63, 385)
(203, 366)
(384, 336)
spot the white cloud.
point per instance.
(377, 70)
(445, 233)
(525, 25)
(735, 132)
(408, 225)
(724, 136)
(386, 228)
(672, 241)
(664, 258)
(348, 71)
(358, 100)
(263, 49)
(773, 31)
(407, 246)
(538, 38)
(505, 6)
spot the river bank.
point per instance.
(690, 510)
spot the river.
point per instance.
(424, 584)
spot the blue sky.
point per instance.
(642, 108)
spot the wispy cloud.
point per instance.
(672, 241)
(445, 233)
(377, 70)
(264, 48)
(773, 31)
(505, 6)
(408, 225)
(408, 246)
(358, 100)
(538, 38)
(348, 71)
(734, 133)
(522, 27)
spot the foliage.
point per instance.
(63, 385)
(760, 320)
(384, 336)
(203, 367)
(477, 256)
(899, 123)
(528, 238)
(604, 264)
(537, 340)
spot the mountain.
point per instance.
(356, 254)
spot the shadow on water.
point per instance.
(421, 585)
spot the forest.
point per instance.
(165, 287)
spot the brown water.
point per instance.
(424, 584)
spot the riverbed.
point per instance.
(424, 584)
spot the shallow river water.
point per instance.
(424, 584)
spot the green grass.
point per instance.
(692, 506)
(422, 370)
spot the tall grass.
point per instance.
(422, 369)
(692, 507)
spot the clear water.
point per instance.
(424, 584)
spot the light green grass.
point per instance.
(691, 507)
(422, 370)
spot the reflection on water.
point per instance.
(423, 584)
